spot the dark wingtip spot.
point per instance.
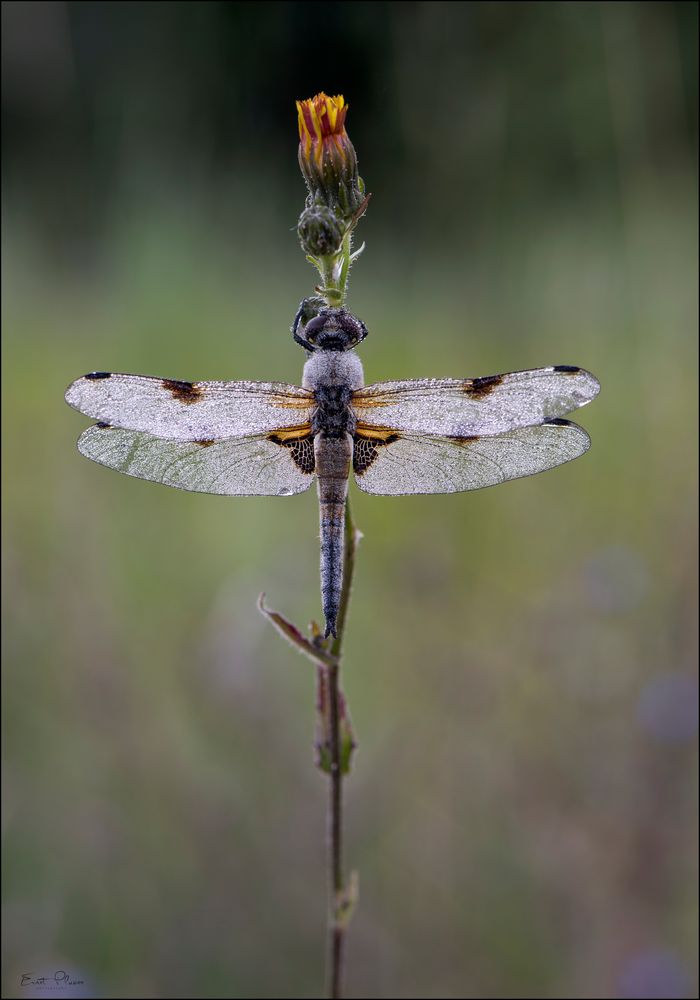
(479, 388)
(567, 369)
(94, 375)
(205, 442)
(185, 392)
(102, 425)
(558, 422)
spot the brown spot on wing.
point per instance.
(291, 402)
(284, 434)
(480, 388)
(380, 434)
(367, 442)
(206, 442)
(368, 400)
(363, 455)
(300, 442)
(184, 392)
(102, 425)
(466, 439)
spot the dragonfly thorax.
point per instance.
(333, 376)
(333, 368)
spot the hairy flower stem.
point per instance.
(335, 268)
(334, 273)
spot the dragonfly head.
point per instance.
(329, 330)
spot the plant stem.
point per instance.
(335, 269)
(335, 834)
(334, 272)
(336, 742)
(339, 904)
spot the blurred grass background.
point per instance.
(520, 661)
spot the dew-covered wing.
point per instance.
(190, 410)
(393, 463)
(276, 464)
(481, 406)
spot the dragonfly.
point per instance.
(418, 436)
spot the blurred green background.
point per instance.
(520, 661)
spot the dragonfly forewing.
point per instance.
(190, 411)
(490, 405)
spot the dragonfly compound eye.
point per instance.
(335, 330)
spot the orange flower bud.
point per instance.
(327, 157)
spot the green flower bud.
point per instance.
(319, 231)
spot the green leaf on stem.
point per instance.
(313, 650)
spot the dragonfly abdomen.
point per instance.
(333, 457)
